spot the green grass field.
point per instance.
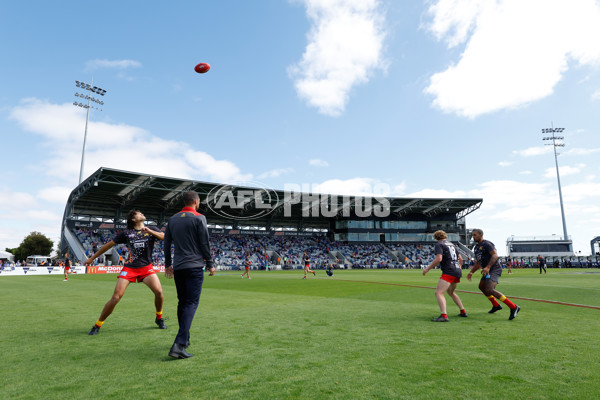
(358, 335)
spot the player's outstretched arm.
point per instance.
(436, 261)
(102, 250)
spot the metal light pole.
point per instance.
(556, 144)
(89, 98)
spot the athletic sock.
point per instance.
(493, 300)
(159, 314)
(463, 311)
(99, 323)
(445, 315)
(509, 303)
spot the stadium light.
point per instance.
(556, 143)
(89, 98)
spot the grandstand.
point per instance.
(270, 227)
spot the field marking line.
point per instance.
(468, 291)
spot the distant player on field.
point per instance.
(140, 241)
(306, 261)
(541, 264)
(450, 261)
(247, 264)
(329, 271)
(487, 259)
(67, 266)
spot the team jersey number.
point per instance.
(454, 256)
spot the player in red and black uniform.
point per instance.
(306, 261)
(247, 267)
(487, 259)
(67, 266)
(140, 242)
(450, 261)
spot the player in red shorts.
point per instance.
(450, 261)
(247, 266)
(67, 267)
(307, 269)
(140, 241)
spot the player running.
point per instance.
(140, 241)
(450, 261)
(67, 267)
(307, 269)
(487, 259)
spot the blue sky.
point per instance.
(435, 98)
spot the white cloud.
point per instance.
(113, 64)
(582, 152)
(514, 54)
(533, 151)
(275, 173)
(454, 20)
(318, 163)
(565, 170)
(22, 213)
(116, 146)
(345, 45)
(505, 163)
(13, 203)
(437, 194)
(357, 187)
(527, 172)
(580, 191)
(55, 194)
(511, 207)
(511, 193)
(529, 212)
(596, 95)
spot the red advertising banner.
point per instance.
(115, 269)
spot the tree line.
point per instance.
(34, 243)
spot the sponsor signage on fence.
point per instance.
(38, 270)
(115, 269)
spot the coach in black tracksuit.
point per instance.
(188, 232)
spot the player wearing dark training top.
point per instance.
(67, 267)
(140, 242)
(247, 264)
(306, 261)
(450, 262)
(487, 259)
(541, 263)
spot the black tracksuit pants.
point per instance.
(189, 286)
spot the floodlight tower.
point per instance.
(556, 142)
(89, 98)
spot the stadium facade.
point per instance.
(103, 199)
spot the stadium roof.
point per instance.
(108, 194)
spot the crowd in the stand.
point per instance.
(264, 252)
(366, 255)
(234, 250)
(290, 250)
(415, 253)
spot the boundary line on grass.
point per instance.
(468, 291)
